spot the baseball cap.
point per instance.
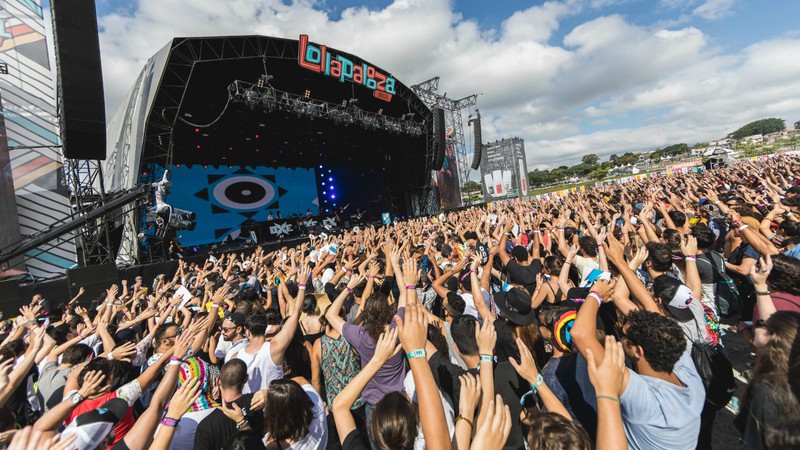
(675, 295)
(92, 427)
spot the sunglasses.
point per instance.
(226, 329)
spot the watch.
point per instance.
(76, 398)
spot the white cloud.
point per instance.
(607, 72)
(714, 9)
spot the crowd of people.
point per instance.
(593, 320)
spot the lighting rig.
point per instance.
(261, 95)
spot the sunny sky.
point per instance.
(571, 77)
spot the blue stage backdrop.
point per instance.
(225, 197)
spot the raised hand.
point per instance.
(469, 396)
(486, 336)
(183, 398)
(124, 352)
(92, 384)
(607, 376)
(759, 275)
(413, 329)
(387, 345)
(526, 367)
(689, 246)
(410, 272)
(605, 288)
(494, 428)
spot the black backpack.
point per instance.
(728, 300)
(716, 371)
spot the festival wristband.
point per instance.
(170, 422)
(301, 286)
(690, 258)
(534, 388)
(487, 358)
(608, 397)
(597, 296)
(418, 353)
(350, 290)
(741, 228)
(411, 287)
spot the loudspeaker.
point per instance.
(10, 300)
(476, 130)
(82, 114)
(439, 143)
(94, 279)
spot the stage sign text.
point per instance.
(319, 59)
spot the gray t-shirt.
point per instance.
(657, 414)
(51, 380)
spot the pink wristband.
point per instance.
(348, 289)
(411, 287)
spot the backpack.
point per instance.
(728, 300)
(716, 371)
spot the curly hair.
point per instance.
(661, 339)
(377, 314)
(784, 275)
(551, 431)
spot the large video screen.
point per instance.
(225, 197)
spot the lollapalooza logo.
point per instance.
(320, 60)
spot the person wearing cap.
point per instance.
(521, 267)
(232, 339)
(662, 397)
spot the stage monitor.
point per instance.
(226, 197)
(10, 300)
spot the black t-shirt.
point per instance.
(215, 430)
(524, 275)
(355, 441)
(507, 383)
(506, 346)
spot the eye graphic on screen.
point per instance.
(244, 192)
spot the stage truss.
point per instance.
(428, 92)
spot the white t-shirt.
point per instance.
(183, 439)
(261, 370)
(410, 390)
(227, 349)
(317, 437)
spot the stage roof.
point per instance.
(192, 110)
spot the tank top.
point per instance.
(261, 370)
(340, 364)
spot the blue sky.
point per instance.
(569, 76)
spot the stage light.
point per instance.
(197, 130)
(251, 99)
(323, 183)
(330, 179)
(198, 146)
(307, 94)
(333, 196)
(320, 166)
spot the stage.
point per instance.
(254, 128)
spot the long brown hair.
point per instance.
(394, 423)
(377, 313)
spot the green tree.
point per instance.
(472, 186)
(613, 157)
(590, 159)
(598, 173)
(763, 126)
(540, 177)
(797, 125)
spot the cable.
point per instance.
(228, 102)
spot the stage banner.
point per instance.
(226, 197)
(282, 229)
(504, 169)
(447, 179)
(9, 225)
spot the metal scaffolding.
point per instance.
(428, 92)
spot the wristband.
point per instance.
(475, 271)
(597, 296)
(371, 277)
(109, 356)
(213, 305)
(301, 286)
(174, 363)
(170, 422)
(418, 353)
(411, 287)
(599, 244)
(690, 258)
(348, 289)
(763, 293)
(536, 231)
(460, 417)
(608, 397)
(743, 227)
(534, 388)
(487, 358)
